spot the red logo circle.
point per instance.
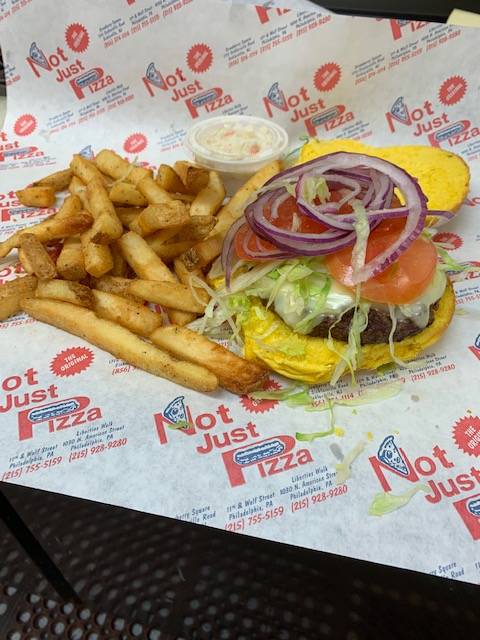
(71, 361)
(450, 241)
(466, 434)
(452, 90)
(77, 38)
(199, 58)
(261, 406)
(135, 143)
(327, 76)
(25, 125)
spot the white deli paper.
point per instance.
(133, 76)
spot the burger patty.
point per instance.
(378, 328)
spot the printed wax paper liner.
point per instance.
(134, 77)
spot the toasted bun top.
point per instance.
(315, 363)
(443, 176)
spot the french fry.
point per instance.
(161, 216)
(120, 265)
(153, 192)
(120, 342)
(72, 292)
(115, 166)
(203, 253)
(128, 215)
(70, 262)
(194, 178)
(167, 294)
(85, 169)
(35, 258)
(124, 193)
(169, 180)
(11, 293)
(50, 229)
(59, 180)
(36, 196)
(167, 252)
(209, 200)
(206, 251)
(71, 205)
(183, 197)
(186, 277)
(97, 257)
(235, 206)
(116, 285)
(234, 373)
(78, 188)
(180, 318)
(143, 260)
(107, 227)
(162, 236)
(198, 228)
(132, 315)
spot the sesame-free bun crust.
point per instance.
(443, 176)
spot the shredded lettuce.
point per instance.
(309, 437)
(316, 187)
(182, 424)
(450, 264)
(351, 355)
(362, 229)
(317, 299)
(391, 345)
(384, 503)
(343, 469)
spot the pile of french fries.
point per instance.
(124, 237)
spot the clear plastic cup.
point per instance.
(236, 146)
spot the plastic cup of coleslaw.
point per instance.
(236, 146)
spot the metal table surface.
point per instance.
(75, 569)
(106, 572)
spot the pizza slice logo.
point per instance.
(155, 77)
(390, 455)
(87, 152)
(37, 55)
(399, 111)
(176, 412)
(276, 96)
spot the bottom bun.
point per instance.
(270, 341)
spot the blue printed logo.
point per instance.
(154, 76)
(452, 130)
(259, 452)
(175, 411)
(53, 410)
(87, 152)
(389, 454)
(37, 55)
(473, 506)
(399, 110)
(277, 97)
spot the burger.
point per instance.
(331, 268)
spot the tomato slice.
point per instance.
(284, 220)
(253, 242)
(404, 280)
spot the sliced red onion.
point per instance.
(371, 179)
(228, 249)
(255, 216)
